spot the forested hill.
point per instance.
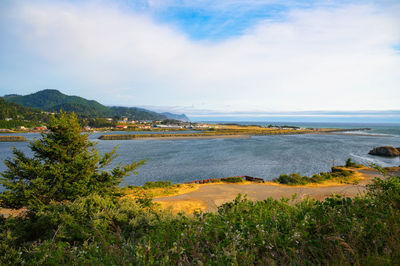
(54, 101)
(12, 115)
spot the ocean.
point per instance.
(259, 156)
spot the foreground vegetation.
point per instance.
(98, 229)
(75, 215)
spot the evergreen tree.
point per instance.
(65, 165)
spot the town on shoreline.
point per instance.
(189, 130)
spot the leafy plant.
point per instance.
(157, 184)
(232, 179)
(338, 174)
(350, 163)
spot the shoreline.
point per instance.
(190, 137)
(225, 134)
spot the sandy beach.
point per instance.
(208, 197)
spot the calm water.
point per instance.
(262, 156)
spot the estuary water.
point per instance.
(184, 160)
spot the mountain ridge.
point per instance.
(51, 100)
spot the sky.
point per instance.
(227, 58)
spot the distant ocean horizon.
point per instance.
(381, 127)
(267, 157)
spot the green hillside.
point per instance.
(13, 115)
(54, 101)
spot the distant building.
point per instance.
(145, 126)
(202, 125)
(121, 126)
(41, 128)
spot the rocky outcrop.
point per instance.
(386, 151)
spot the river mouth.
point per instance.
(184, 160)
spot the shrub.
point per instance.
(317, 178)
(157, 184)
(292, 179)
(232, 179)
(350, 163)
(337, 173)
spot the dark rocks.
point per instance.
(386, 151)
(253, 179)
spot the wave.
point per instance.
(369, 160)
(364, 133)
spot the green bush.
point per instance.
(232, 179)
(292, 179)
(157, 184)
(350, 163)
(296, 179)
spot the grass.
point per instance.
(157, 184)
(157, 189)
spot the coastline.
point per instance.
(194, 137)
(226, 133)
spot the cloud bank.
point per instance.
(339, 57)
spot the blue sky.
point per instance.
(196, 56)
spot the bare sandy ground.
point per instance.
(209, 197)
(195, 137)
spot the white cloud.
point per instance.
(317, 59)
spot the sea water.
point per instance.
(184, 160)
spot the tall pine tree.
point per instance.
(64, 166)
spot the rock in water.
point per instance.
(387, 151)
